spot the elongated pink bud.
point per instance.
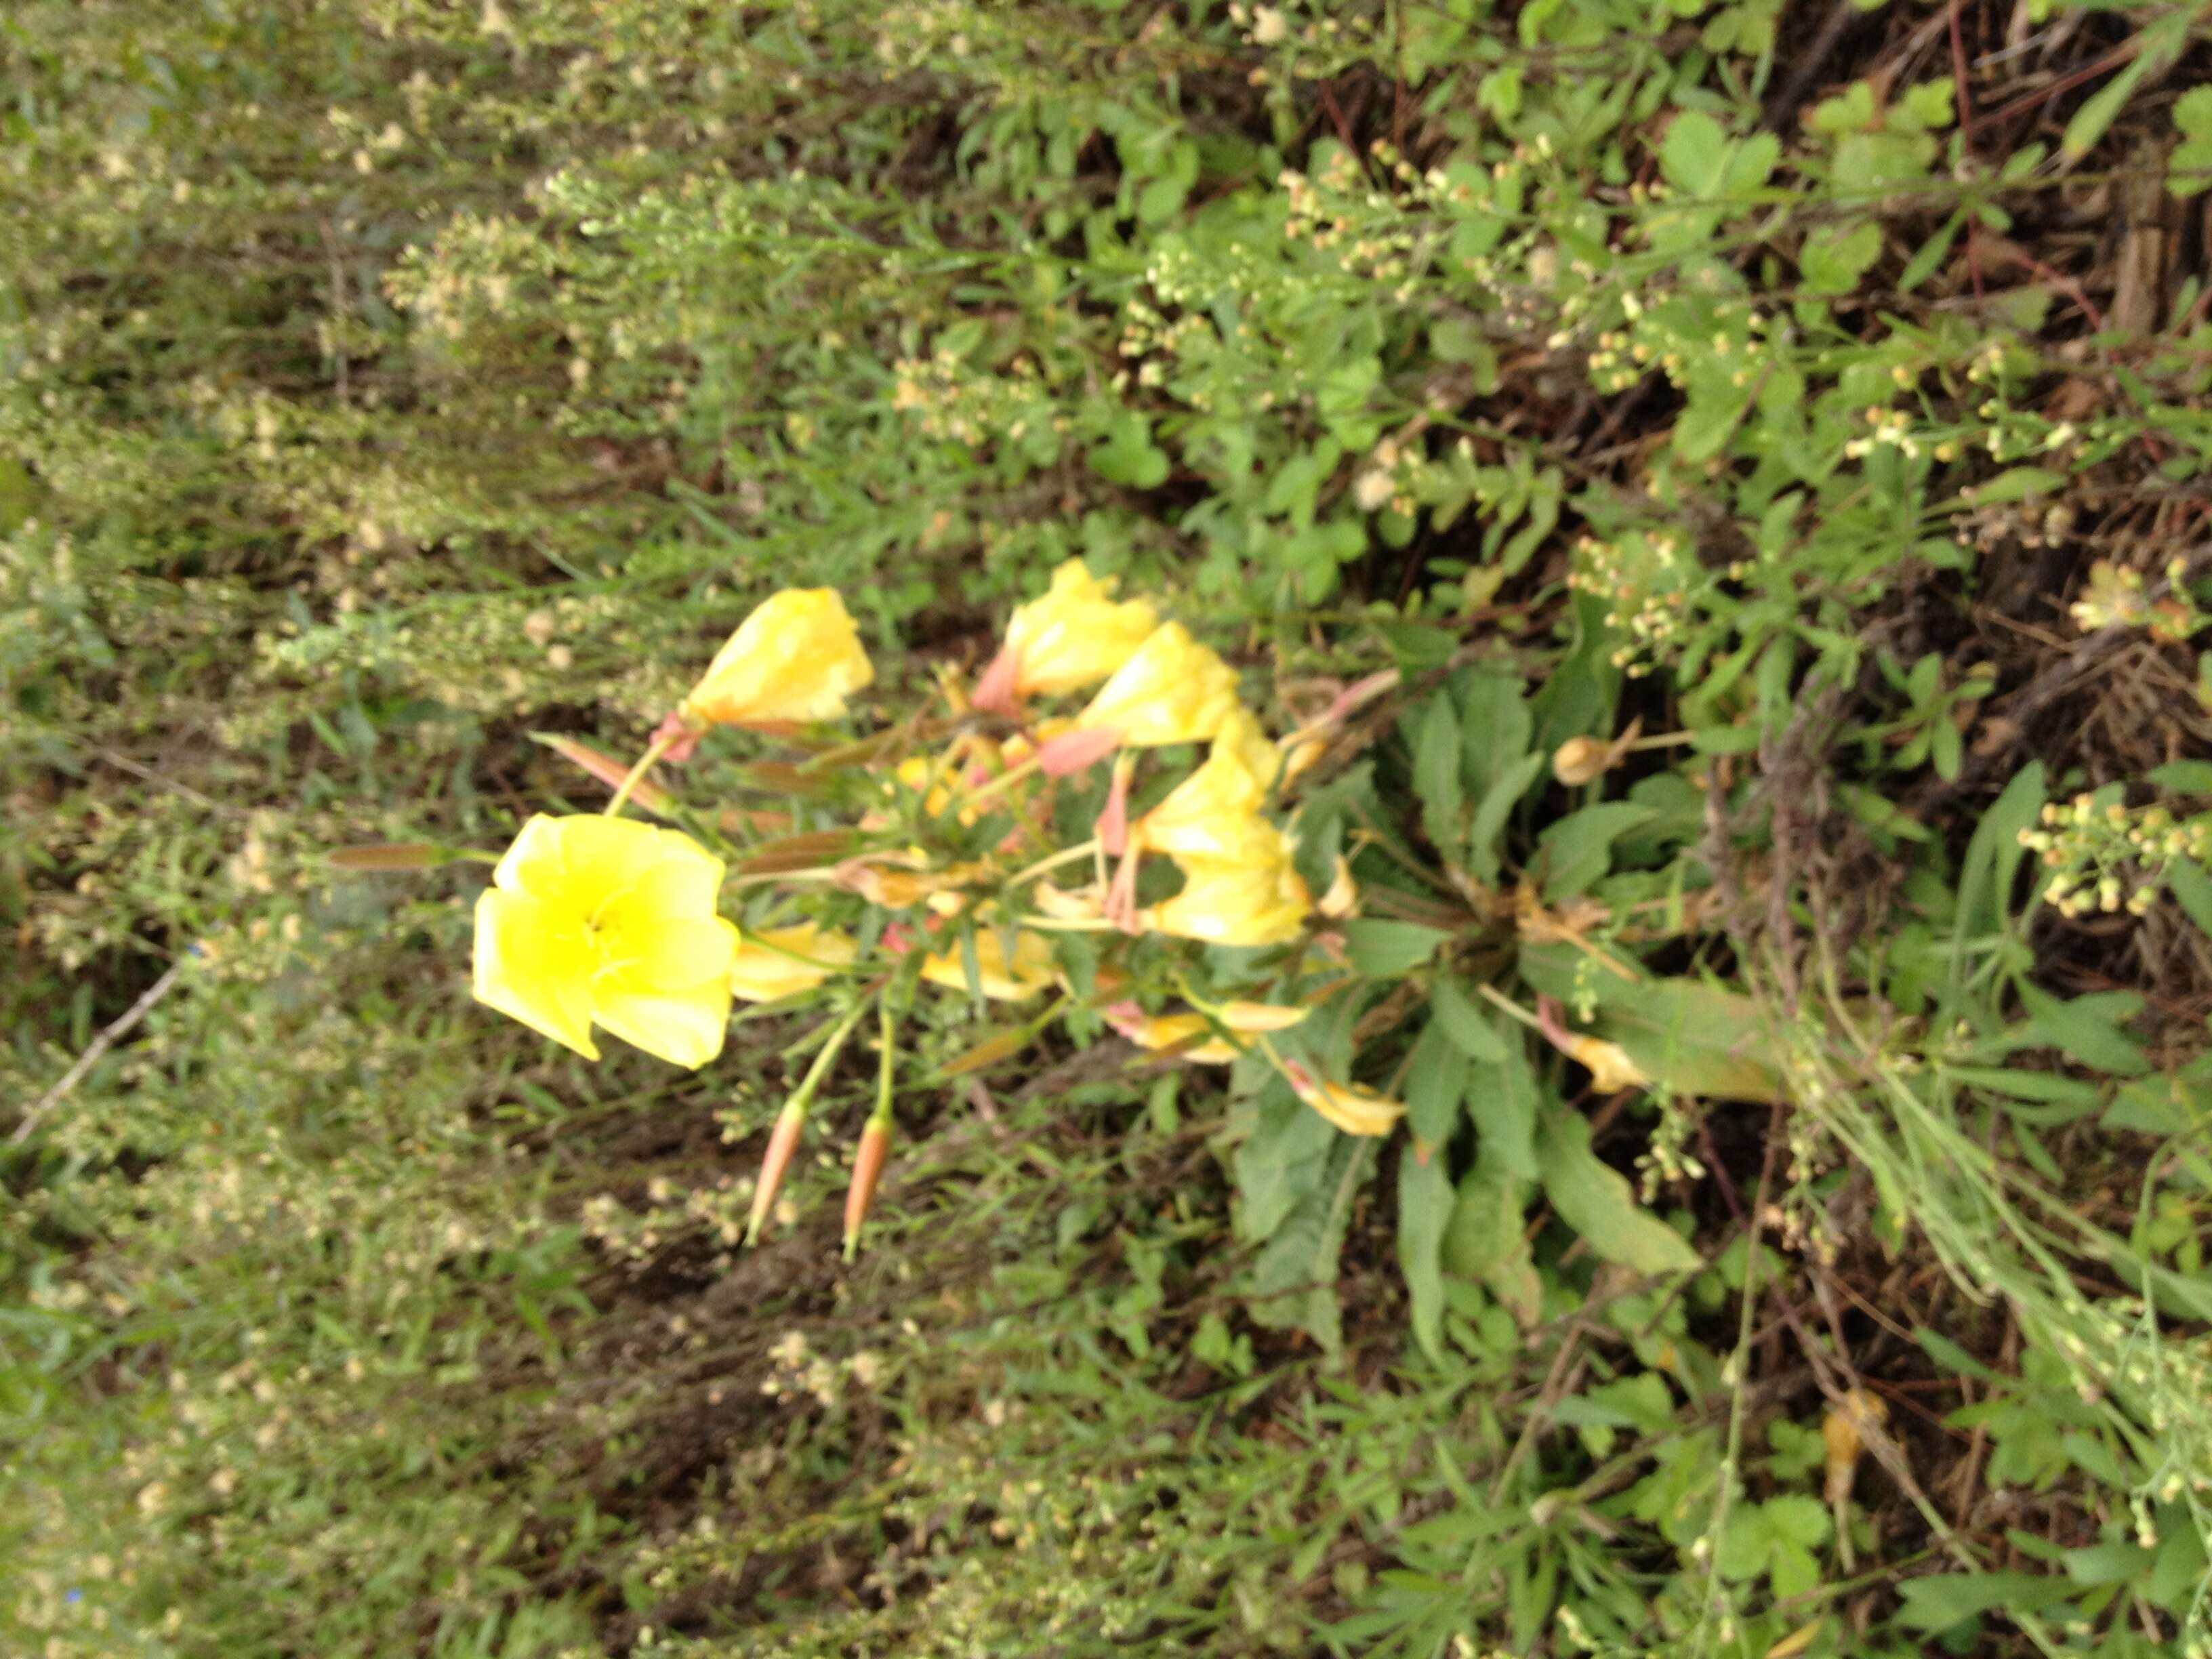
(782, 1147)
(1113, 826)
(867, 1169)
(644, 794)
(1070, 753)
(390, 855)
(994, 693)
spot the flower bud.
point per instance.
(390, 855)
(1580, 760)
(868, 1171)
(782, 1147)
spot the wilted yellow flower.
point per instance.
(1255, 899)
(1355, 1111)
(1158, 1031)
(1209, 813)
(1342, 898)
(1582, 760)
(782, 962)
(608, 922)
(1173, 690)
(1029, 972)
(1610, 1068)
(1843, 1438)
(1074, 636)
(798, 657)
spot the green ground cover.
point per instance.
(1768, 444)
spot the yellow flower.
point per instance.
(798, 657)
(1158, 1031)
(1209, 813)
(1029, 972)
(608, 922)
(1610, 1068)
(1076, 635)
(1258, 898)
(1355, 1111)
(1173, 691)
(782, 962)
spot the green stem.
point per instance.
(654, 750)
(1066, 856)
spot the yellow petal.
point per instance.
(783, 962)
(533, 963)
(584, 861)
(1252, 901)
(1209, 813)
(1610, 1068)
(1241, 734)
(1076, 635)
(1173, 690)
(1355, 1111)
(1342, 898)
(684, 1028)
(798, 657)
(1252, 1017)
(650, 953)
(1031, 971)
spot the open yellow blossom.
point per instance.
(798, 657)
(1209, 814)
(782, 962)
(1074, 636)
(1029, 972)
(1355, 1111)
(1258, 898)
(608, 922)
(1173, 690)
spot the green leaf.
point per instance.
(1694, 154)
(1425, 1203)
(2113, 1563)
(1469, 1027)
(1496, 723)
(1709, 421)
(1804, 1521)
(2014, 484)
(2087, 1028)
(1579, 847)
(1380, 949)
(1598, 1203)
(1436, 772)
(1503, 1101)
(1490, 813)
(1487, 1242)
(2192, 891)
(2160, 43)
(1688, 1036)
(1436, 1086)
(1833, 260)
(1292, 1283)
(2184, 777)
(1128, 455)
(1953, 1357)
(1933, 252)
(1941, 1601)
(1993, 856)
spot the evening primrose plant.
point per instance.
(972, 857)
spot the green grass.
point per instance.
(386, 381)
